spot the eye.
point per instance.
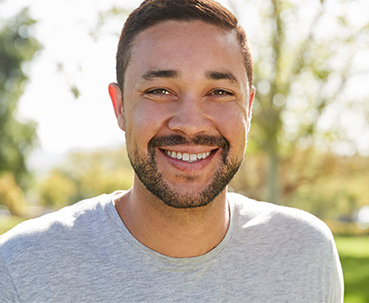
(221, 92)
(159, 94)
(158, 91)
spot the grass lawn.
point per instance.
(354, 255)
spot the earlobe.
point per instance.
(116, 99)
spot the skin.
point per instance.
(188, 82)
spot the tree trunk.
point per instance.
(273, 192)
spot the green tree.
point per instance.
(84, 175)
(56, 190)
(17, 47)
(304, 55)
(11, 195)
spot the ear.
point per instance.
(116, 99)
(249, 109)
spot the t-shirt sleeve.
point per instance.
(336, 292)
(8, 292)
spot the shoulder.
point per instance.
(34, 233)
(286, 233)
(289, 243)
(38, 250)
(280, 220)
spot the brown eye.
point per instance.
(220, 92)
(159, 91)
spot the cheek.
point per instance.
(231, 122)
(143, 122)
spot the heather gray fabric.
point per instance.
(84, 253)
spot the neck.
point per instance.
(180, 233)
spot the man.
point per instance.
(183, 99)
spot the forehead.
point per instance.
(186, 44)
(183, 30)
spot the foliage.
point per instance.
(17, 48)
(354, 256)
(302, 72)
(11, 195)
(57, 190)
(325, 184)
(119, 14)
(84, 175)
(330, 186)
(7, 223)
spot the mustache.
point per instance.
(172, 140)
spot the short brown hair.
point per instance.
(152, 12)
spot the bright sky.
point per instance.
(64, 122)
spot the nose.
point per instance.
(190, 117)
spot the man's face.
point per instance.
(186, 110)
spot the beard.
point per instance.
(147, 171)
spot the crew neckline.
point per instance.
(173, 261)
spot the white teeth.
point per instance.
(187, 157)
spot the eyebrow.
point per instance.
(212, 75)
(170, 73)
(160, 74)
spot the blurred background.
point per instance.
(309, 140)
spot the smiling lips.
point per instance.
(187, 157)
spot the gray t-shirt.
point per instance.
(84, 253)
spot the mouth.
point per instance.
(187, 157)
